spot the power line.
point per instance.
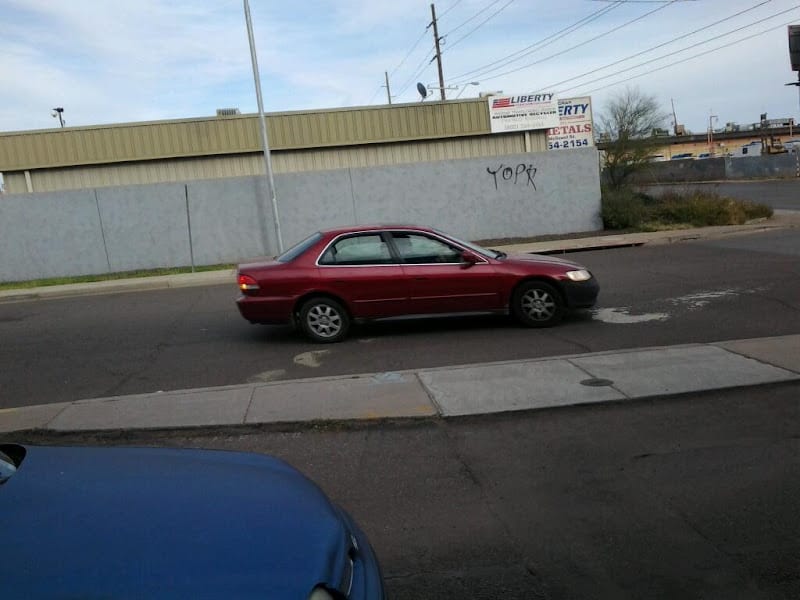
(420, 67)
(456, 3)
(687, 59)
(667, 43)
(417, 71)
(576, 46)
(481, 24)
(717, 37)
(473, 17)
(380, 87)
(405, 58)
(514, 56)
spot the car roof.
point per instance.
(373, 227)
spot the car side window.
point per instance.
(364, 249)
(419, 249)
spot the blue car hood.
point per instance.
(152, 523)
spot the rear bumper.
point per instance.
(267, 310)
(581, 294)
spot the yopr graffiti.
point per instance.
(514, 175)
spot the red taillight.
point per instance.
(247, 283)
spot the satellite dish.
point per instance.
(423, 91)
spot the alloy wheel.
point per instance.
(538, 305)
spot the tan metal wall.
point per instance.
(292, 161)
(211, 136)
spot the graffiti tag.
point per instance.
(522, 173)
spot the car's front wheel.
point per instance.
(324, 320)
(537, 304)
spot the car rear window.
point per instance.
(298, 249)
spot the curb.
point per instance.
(457, 391)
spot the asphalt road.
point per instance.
(782, 194)
(691, 498)
(99, 346)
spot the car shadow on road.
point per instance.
(411, 327)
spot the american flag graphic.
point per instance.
(501, 103)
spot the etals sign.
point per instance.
(574, 129)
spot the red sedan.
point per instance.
(337, 276)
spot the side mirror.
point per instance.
(468, 258)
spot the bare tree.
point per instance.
(626, 129)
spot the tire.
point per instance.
(324, 320)
(537, 304)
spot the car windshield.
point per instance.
(474, 247)
(298, 249)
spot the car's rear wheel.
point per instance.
(537, 304)
(324, 320)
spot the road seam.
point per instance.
(249, 404)
(437, 407)
(613, 385)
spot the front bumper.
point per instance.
(581, 294)
(367, 575)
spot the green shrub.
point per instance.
(757, 211)
(702, 209)
(622, 209)
(625, 209)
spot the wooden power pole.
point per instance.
(438, 50)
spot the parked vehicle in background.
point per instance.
(168, 523)
(751, 149)
(703, 155)
(682, 156)
(353, 273)
(792, 145)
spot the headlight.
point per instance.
(346, 584)
(320, 593)
(582, 275)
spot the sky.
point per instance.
(112, 62)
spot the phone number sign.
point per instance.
(574, 128)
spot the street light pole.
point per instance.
(465, 87)
(263, 122)
(59, 112)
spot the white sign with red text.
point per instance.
(522, 112)
(574, 128)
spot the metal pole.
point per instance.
(262, 120)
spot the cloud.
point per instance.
(109, 62)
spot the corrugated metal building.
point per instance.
(230, 146)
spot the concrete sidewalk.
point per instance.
(443, 392)
(781, 220)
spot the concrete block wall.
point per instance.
(227, 220)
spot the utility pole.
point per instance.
(711, 133)
(388, 91)
(436, 41)
(675, 117)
